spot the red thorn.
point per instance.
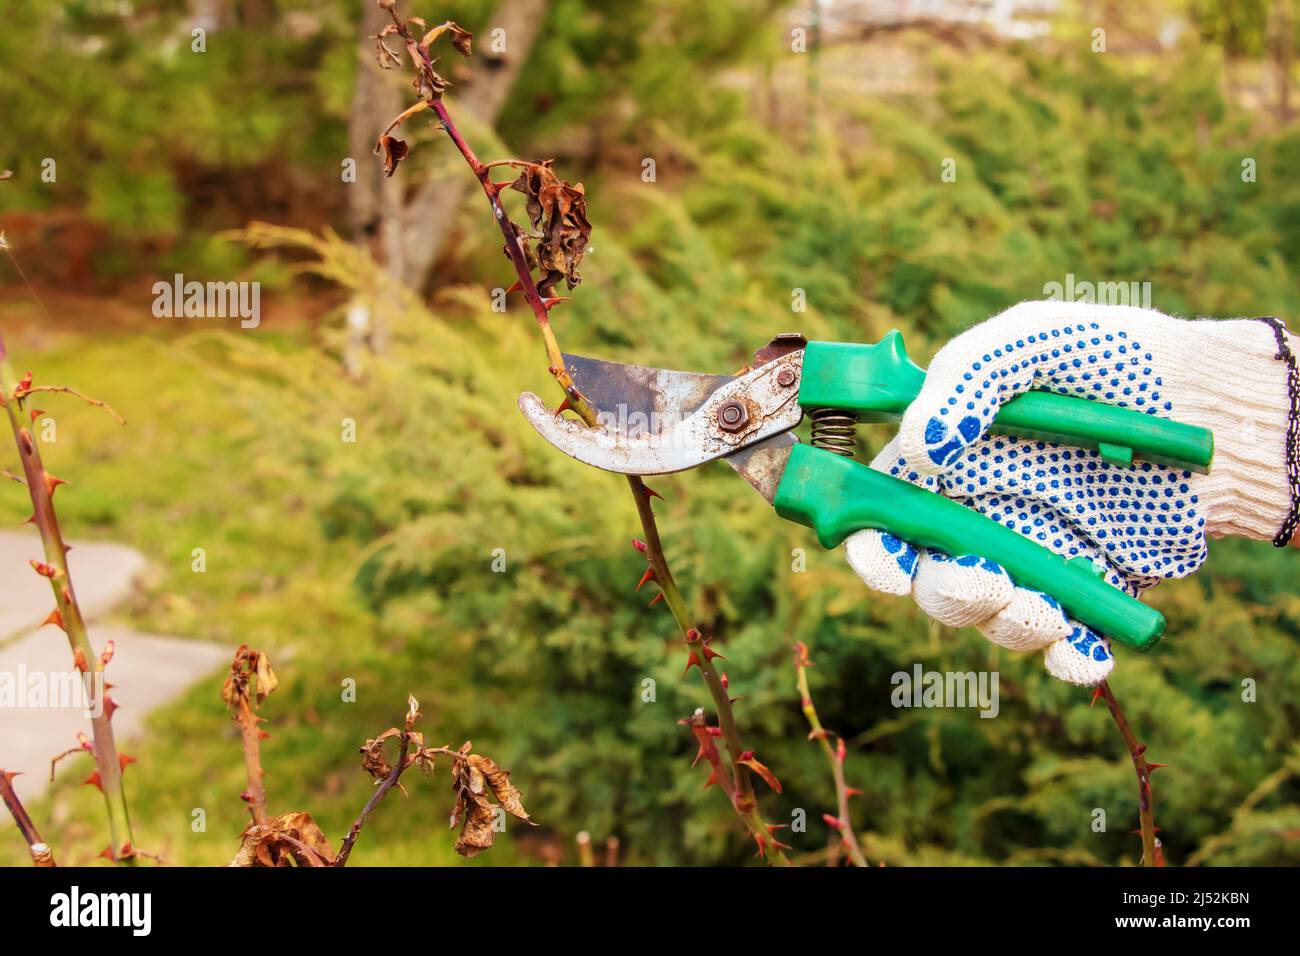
(656, 599)
(54, 618)
(713, 778)
(36, 413)
(110, 707)
(852, 792)
(563, 407)
(503, 185)
(692, 661)
(10, 774)
(714, 731)
(43, 569)
(1153, 767)
(79, 660)
(1096, 695)
(648, 576)
(555, 300)
(723, 680)
(514, 287)
(831, 821)
(93, 778)
(124, 761)
(840, 751)
(762, 845)
(710, 653)
(639, 545)
(262, 735)
(651, 493)
(107, 854)
(51, 483)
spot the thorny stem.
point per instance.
(834, 757)
(376, 798)
(39, 849)
(251, 738)
(1151, 855)
(743, 792)
(40, 487)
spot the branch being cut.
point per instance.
(1152, 855)
(558, 210)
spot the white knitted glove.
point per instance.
(1143, 524)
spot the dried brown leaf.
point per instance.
(290, 838)
(460, 37)
(558, 213)
(374, 760)
(475, 781)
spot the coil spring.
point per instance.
(833, 430)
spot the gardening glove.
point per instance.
(1141, 524)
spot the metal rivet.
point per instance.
(732, 416)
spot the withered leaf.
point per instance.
(558, 213)
(6, 174)
(267, 682)
(246, 664)
(499, 780)
(460, 37)
(475, 781)
(393, 150)
(290, 838)
(374, 760)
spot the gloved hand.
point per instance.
(1142, 524)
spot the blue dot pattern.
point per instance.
(1144, 522)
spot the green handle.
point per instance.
(878, 382)
(837, 496)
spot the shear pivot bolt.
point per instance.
(732, 416)
(785, 377)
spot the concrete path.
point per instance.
(147, 670)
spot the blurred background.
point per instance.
(734, 153)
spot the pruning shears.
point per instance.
(657, 421)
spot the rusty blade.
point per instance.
(763, 464)
(655, 422)
(634, 399)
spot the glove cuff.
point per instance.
(1229, 380)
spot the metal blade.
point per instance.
(656, 438)
(762, 465)
(635, 399)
